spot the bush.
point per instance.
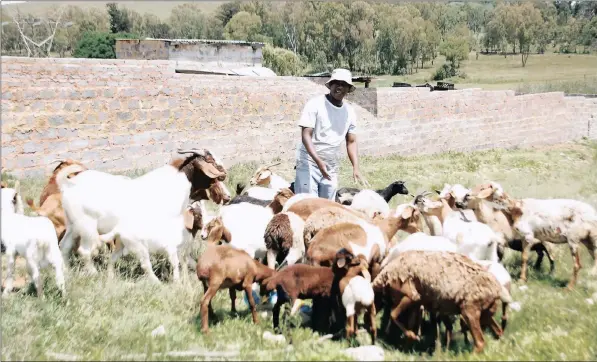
(101, 45)
(447, 70)
(282, 61)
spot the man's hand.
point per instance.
(323, 168)
(359, 179)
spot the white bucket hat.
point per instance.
(342, 75)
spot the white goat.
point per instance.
(371, 203)
(34, 238)
(474, 239)
(260, 192)
(265, 177)
(156, 234)
(246, 225)
(94, 202)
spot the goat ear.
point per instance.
(209, 169)
(407, 213)
(189, 219)
(71, 175)
(265, 174)
(341, 262)
(17, 186)
(485, 193)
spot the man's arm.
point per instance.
(351, 149)
(307, 138)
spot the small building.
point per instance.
(209, 53)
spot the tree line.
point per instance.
(368, 37)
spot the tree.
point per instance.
(456, 46)
(243, 26)
(528, 29)
(226, 11)
(119, 19)
(188, 22)
(99, 45)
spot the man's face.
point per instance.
(339, 89)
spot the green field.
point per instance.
(102, 320)
(573, 73)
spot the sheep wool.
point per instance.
(444, 279)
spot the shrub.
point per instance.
(282, 61)
(94, 44)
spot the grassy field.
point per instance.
(574, 73)
(100, 320)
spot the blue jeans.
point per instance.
(309, 180)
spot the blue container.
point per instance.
(271, 298)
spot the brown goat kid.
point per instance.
(325, 286)
(225, 267)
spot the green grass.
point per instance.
(571, 73)
(101, 320)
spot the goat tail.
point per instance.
(111, 235)
(64, 176)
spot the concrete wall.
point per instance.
(207, 54)
(122, 114)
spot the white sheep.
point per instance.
(94, 201)
(34, 238)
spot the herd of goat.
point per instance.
(342, 254)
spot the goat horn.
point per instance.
(274, 164)
(57, 160)
(192, 150)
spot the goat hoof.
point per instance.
(410, 335)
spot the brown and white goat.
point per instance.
(361, 237)
(501, 222)
(327, 287)
(223, 266)
(556, 221)
(50, 200)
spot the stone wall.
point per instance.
(122, 114)
(211, 54)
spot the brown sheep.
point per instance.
(445, 283)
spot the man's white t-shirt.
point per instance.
(330, 125)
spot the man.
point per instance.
(325, 122)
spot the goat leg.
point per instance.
(577, 265)
(472, 316)
(10, 270)
(206, 306)
(249, 292)
(404, 303)
(232, 293)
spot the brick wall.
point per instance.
(122, 114)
